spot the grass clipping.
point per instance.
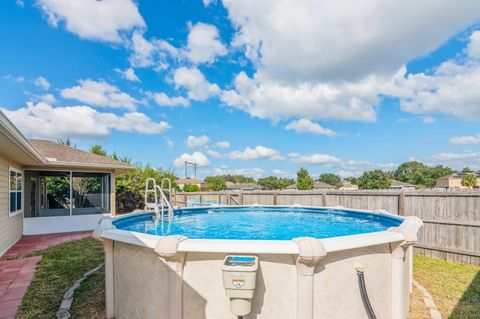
(59, 268)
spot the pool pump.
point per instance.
(239, 277)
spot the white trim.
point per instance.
(17, 171)
(61, 224)
(70, 182)
(333, 244)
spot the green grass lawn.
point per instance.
(454, 287)
(59, 268)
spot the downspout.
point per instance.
(167, 249)
(409, 229)
(311, 252)
(105, 224)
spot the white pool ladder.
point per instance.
(151, 187)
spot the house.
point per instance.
(181, 182)
(46, 187)
(237, 187)
(394, 184)
(454, 181)
(316, 185)
(348, 186)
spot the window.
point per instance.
(16, 192)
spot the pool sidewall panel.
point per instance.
(141, 285)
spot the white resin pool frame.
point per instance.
(173, 277)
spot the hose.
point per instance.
(363, 292)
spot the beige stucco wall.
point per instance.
(10, 227)
(141, 285)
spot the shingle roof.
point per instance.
(395, 183)
(189, 181)
(60, 154)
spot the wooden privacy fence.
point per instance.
(452, 219)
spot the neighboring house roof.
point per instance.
(62, 155)
(231, 185)
(348, 185)
(189, 181)
(322, 185)
(398, 184)
(458, 175)
(316, 185)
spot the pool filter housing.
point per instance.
(239, 280)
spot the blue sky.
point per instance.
(282, 85)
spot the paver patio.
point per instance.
(17, 272)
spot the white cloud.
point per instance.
(42, 82)
(315, 159)
(454, 160)
(151, 53)
(170, 143)
(307, 52)
(100, 94)
(259, 152)
(48, 98)
(196, 157)
(128, 74)
(453, 88)
(280, 173)
(204, 44)
(163, 99)
(267, 98)
(223, 144)
(255, 172)
(473, 48)
(465, 140)
(197, 86)
(206, 3)
(197, 141)
(428, 119)
(214, 153)
(92, 19)
(307, 126)
(43, 120)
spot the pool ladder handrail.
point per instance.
(164, 200)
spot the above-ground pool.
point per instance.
(266, 223)
(259, 262)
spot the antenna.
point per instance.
(194, 169)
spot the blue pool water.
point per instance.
(267, 223)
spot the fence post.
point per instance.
(185, 199)
(324, 198)
(201, 197)
(219, 198)
(241, 197)
(274, 199)
(401, 203)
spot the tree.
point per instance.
(419, 174)
(66, 141)
(274, 182)
(98, 149)
(469, 179)
(467, 169)
(191, 188)
(304, 181)
(352, 180)
(331, 179)
(376, 179)
(237, 179)
(216, 183)
(130, 186)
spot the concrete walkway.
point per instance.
(16, 272)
